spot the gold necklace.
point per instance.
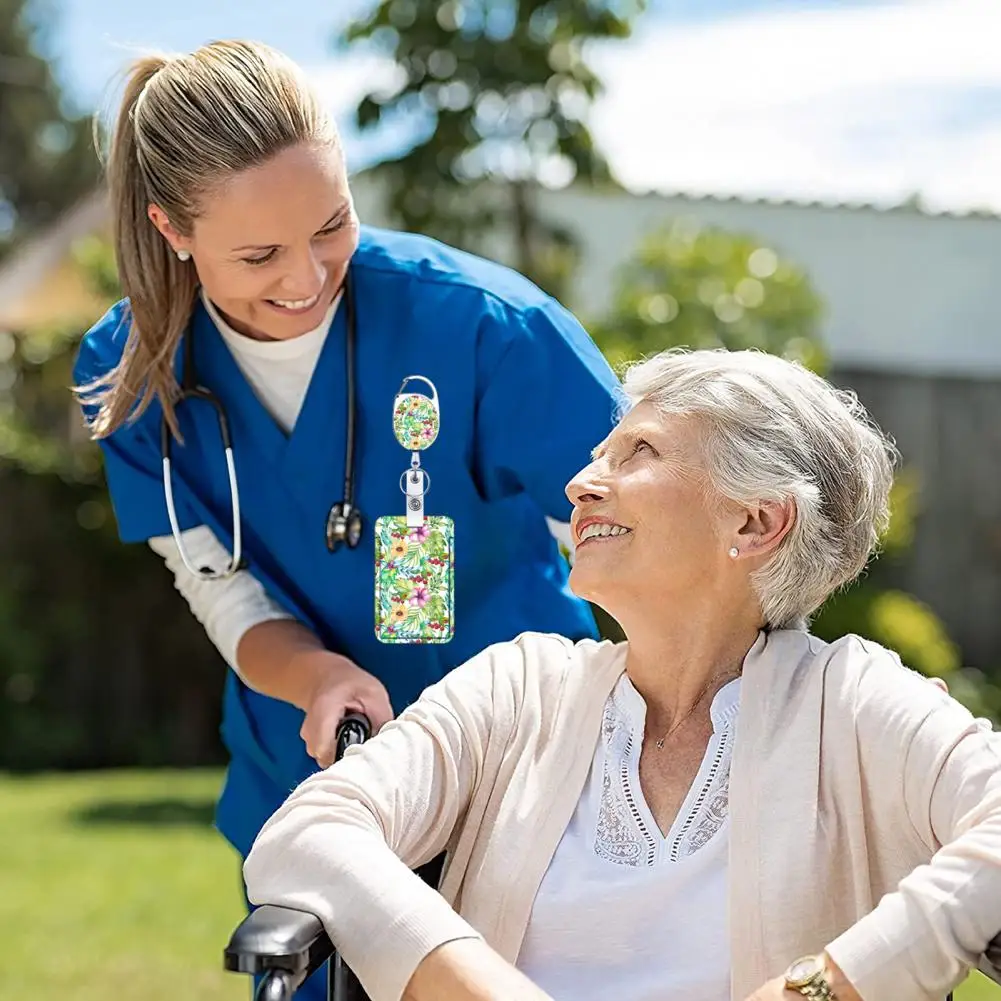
(659, 744)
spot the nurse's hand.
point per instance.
(341, 687)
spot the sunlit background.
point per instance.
(840, 101)
(822, 180)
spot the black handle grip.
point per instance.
(286, 945)
(355, 728)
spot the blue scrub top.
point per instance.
(524, 395)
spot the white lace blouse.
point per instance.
(624, 912)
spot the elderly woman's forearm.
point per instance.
(382, 917)
(922, 939)
(469, 970)
(343, 844)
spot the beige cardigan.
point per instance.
(849, 773)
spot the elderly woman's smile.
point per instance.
(649, 525)
(599, 529)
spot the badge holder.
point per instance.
(414, 552)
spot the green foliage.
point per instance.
(99, 662)
(39, 430)
(503, 89)
(97, 259)
(35, 431)
(46, 155)
(901, 622)
(897, 621)
(697, 286)
(887, 615)
(52, 626)
(46, 162)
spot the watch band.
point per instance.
(817, 990)
(815, 985)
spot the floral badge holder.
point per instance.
(414, 553)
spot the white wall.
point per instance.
(904, 292)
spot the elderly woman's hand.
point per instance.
(776, 990)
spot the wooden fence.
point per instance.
(949, 432)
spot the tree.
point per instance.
(504, 89)
(696, 286)
(100, 663)
(46, 154)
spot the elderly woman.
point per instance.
(722, 807)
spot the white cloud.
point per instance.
(867, 103)
(345, 80)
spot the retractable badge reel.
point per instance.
(415, 551)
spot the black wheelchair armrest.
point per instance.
(278, 938)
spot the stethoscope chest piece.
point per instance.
(344, 525)
(344, 521)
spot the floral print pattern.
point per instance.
(414, 569)
(415, 421)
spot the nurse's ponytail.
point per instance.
(184, 125)
(161, 289)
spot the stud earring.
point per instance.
(734, 553)
(184, 255)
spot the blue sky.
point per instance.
(841, 100)
(92, 36)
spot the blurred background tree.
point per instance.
(696, 286)
(100, 663)
(46, 155)
(504, 91)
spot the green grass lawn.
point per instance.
(115, 885)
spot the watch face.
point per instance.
(803, 971)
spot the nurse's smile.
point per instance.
(314, 305)
(272, 244)
(296, 306)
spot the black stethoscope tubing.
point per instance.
(344, 522)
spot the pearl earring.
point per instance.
(184, 255)
(734, 553)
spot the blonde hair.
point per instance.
(185, 124)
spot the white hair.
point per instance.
(774, 431)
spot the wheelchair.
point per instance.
(285, 946)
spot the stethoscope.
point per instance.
(344, 521)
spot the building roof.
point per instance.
(31, 267)
(914, 205)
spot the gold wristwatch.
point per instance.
(808, 976)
